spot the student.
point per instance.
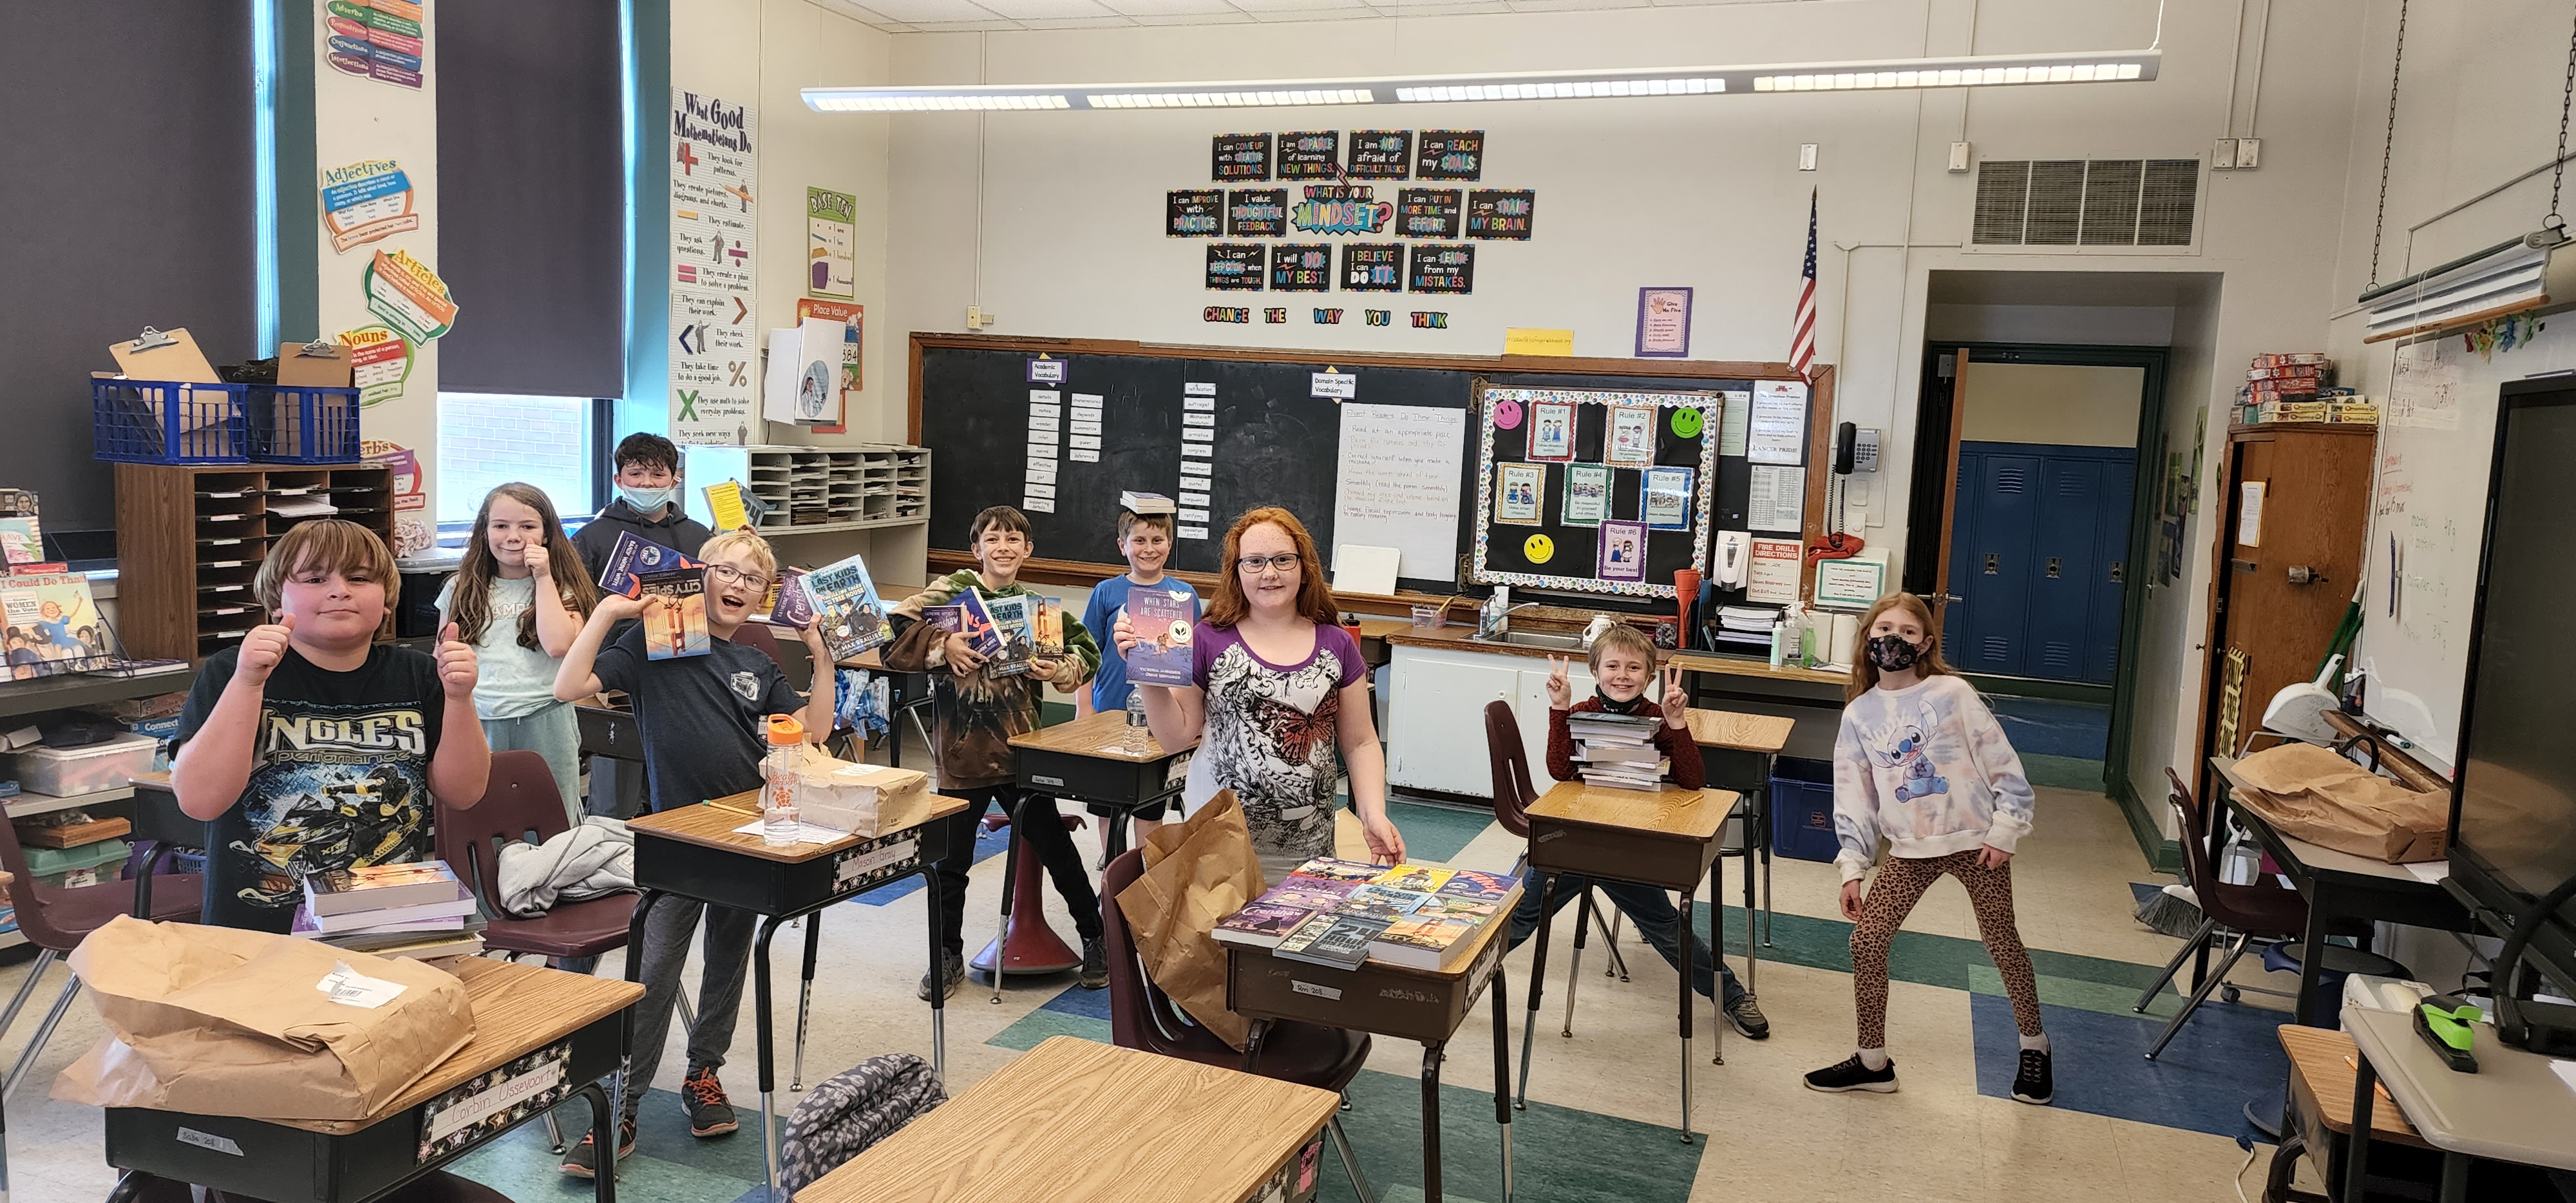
(976, 716)
(310, 747)
(1146, 542)
(647, 506)
(1281, 701)
(1922, 761)
(521, 631)
(704, 723)
(1623, 661)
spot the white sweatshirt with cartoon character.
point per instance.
(1928, 767)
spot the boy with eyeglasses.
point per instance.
(704, 722)
(977, 715)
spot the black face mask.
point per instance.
(1892, 654)
(1615, 706)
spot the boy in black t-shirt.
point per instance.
(311, 747)
(704, 721)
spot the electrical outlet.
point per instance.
(1806, 156)
(2222, 157)
(2249, 153)
(1958, 156)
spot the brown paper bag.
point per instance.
(1196, 873)
(214, 1021)
(2309, 793)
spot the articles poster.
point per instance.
(832, 239)
(408, 296)
(714, 355)
(365, 201)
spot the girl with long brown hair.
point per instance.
(520, 629)
(1281, 708)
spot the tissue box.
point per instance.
(862, 799)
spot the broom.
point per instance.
(2172, 911)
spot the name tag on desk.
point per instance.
(526, 1086)
(878, 860)
(1179, 770)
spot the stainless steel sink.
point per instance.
(1562, 643)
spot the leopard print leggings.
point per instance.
(1901, 883)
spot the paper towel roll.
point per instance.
(1846, 637)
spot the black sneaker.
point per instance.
(2034, 1084)
(1850, 1074)
(582, 1160)
(1095, 964)
(1745, 1015)
(709, 1113)
(953, 968)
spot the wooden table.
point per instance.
(1666, 838)
(2322, 1063)
(527, 1021)
(1071, 1121)
(1738, 752)
(695, 853)
(1388, 1000)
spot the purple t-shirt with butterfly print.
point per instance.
(1273, 736)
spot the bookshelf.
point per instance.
(812, 490)
(190, 541)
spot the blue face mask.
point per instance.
(647, 500)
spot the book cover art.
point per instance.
(1261, 924)
(844, 600)
(21, 540)
(1015, 628)
(1421, 879)
(678, 627)
(1471, 910)
(377, 887)
(1162, 620)
(1339, 870)
(1478, 885)
(975, 622)
(1383, 902)
(631, 557)
(794, 608)
(1046, 622)
(1312, 893)
(1342, 943)
(1435, 933)
(53, 625)
(951, 619)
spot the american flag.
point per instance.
(1802, 327)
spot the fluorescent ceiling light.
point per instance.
(1992, 70)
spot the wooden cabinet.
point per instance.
(2293, 509)
(1435, 715)
(190, 540)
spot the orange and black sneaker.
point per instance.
(582, 1160)
(709, 1113)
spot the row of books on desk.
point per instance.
(417, 910)
(1618, 750)
(1340, 913)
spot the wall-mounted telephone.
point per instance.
(1846, 435)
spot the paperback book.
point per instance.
(1337, 941)
(1383, 902)
(53, 625)
(1310, 893)
(1162, 620)
(975, 622)
(380, 887)
(679, 626)
(1339, 870)
(951, 619)
(1417, 878)
(1015, 625)
(794, 607)
(1261, 924)
(632, 556)
(843, 598)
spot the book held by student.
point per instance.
(1015, 624)
(843, 597)
(632, 556)
(1162, 620)
(678, 627)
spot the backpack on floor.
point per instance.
(853, 1110)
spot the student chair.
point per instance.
(2268, 913)
(57, 920)
(1141, 1016)
(1514, 791)
(437, 1187)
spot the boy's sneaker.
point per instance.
(582, 1160)
(2034, 1084)
(709, 1113)
(953, 974)
(1850, 1074)
(1095, 964)
(1745, 1016)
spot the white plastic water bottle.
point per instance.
(778, 822)
(1136, 740)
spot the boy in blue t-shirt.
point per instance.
(1146, 542)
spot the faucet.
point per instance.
(1491, 624)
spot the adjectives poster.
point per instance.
(713, 219)
(365, 201)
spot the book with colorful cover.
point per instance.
(678, 627)
(1015, 626)
(975, 622)
(53, 625)
(1331, 869)
(1427, 942)
(725, 505)
(1336, 941)
(21, 540)
(632, 556)
(844, 600)
(1046, 625)
(951, 619)
(1478, 885)
(1423, 879)
(1162, 620)
(1382, 902)
(794, 607)
(1310, 893)
(1261, 924)
(380, 887)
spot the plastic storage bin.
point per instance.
(63, 772)
(167, 422)
(308, 425)
(1802, 809)
(54, 866)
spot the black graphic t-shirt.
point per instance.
(704, 718)
(340, 779)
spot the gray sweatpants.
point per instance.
(727, 952)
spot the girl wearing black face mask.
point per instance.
(1922, 761)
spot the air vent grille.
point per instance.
(2081, 202)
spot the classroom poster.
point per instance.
(1194, 213)
(382, 40)
(379, 363)
(1771, 576)
(1381, 154)
(365, 201)
(1623, 551)
(831, 243)
(1663, 324)
(1778, 430)
(1516, 493)
(713, 275)
(1632, 435)
(1663, 503)
(1450, 154)
(1551, 436)
(1587, 495)
(1733, 422)
(853, 353)
(408, 296)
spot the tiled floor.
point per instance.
(1603, 1103)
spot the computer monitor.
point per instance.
(2513, 793)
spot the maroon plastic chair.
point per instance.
(1142, 1017)
(57, 920)
(1514, 792)
(520, 802)
(439, 1187)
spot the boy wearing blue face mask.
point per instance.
(647, 505)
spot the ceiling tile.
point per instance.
(1228, 17)
(1266, 7)
(1038, 10)
(989, 24)
(916, 12)
(1165, 8)
(1103, 21)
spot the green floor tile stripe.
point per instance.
(669, 1165)
(1034, 1028)
(2064, 772)
(1436, 833)
(2083, 995)
(1919, 957)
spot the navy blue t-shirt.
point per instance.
(703, 718)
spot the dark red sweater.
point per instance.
(1674, 742)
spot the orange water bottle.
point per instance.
(778, 823)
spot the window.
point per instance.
(486, 439)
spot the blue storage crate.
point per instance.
(303, 425)
(1802, 809)
(167, 422)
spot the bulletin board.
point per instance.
(1594, 492)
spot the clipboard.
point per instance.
(314, 365)
(164, 355)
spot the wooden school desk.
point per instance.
(694, 852)
(1071, 1121)
(1388, 1000)
(2321, 1076)
(1084, 760)
(1665, 838)
(519, 1010)
(1738, 751)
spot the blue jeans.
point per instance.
(1647, 907)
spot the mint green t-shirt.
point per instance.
(510, 681)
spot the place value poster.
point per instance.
(1381, 154)
(1427, 212)
(1235, 266)
(1194, 213)
(1450, 154)
(1256, 212)
(1241, 157)
(1442, 268)
(1311, 155)
(1499, 213)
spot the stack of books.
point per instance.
(1146, 503)
(1747, 625)
(1618, 750)
(1340, 913)
(419, 910)
(2293, 377)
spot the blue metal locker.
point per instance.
(2037, 532)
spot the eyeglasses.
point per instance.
(730, 575)
(1282, 562)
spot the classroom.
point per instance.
(1120, 620)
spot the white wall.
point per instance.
(2165, 702)
(2064, 405)
(2101, 325)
